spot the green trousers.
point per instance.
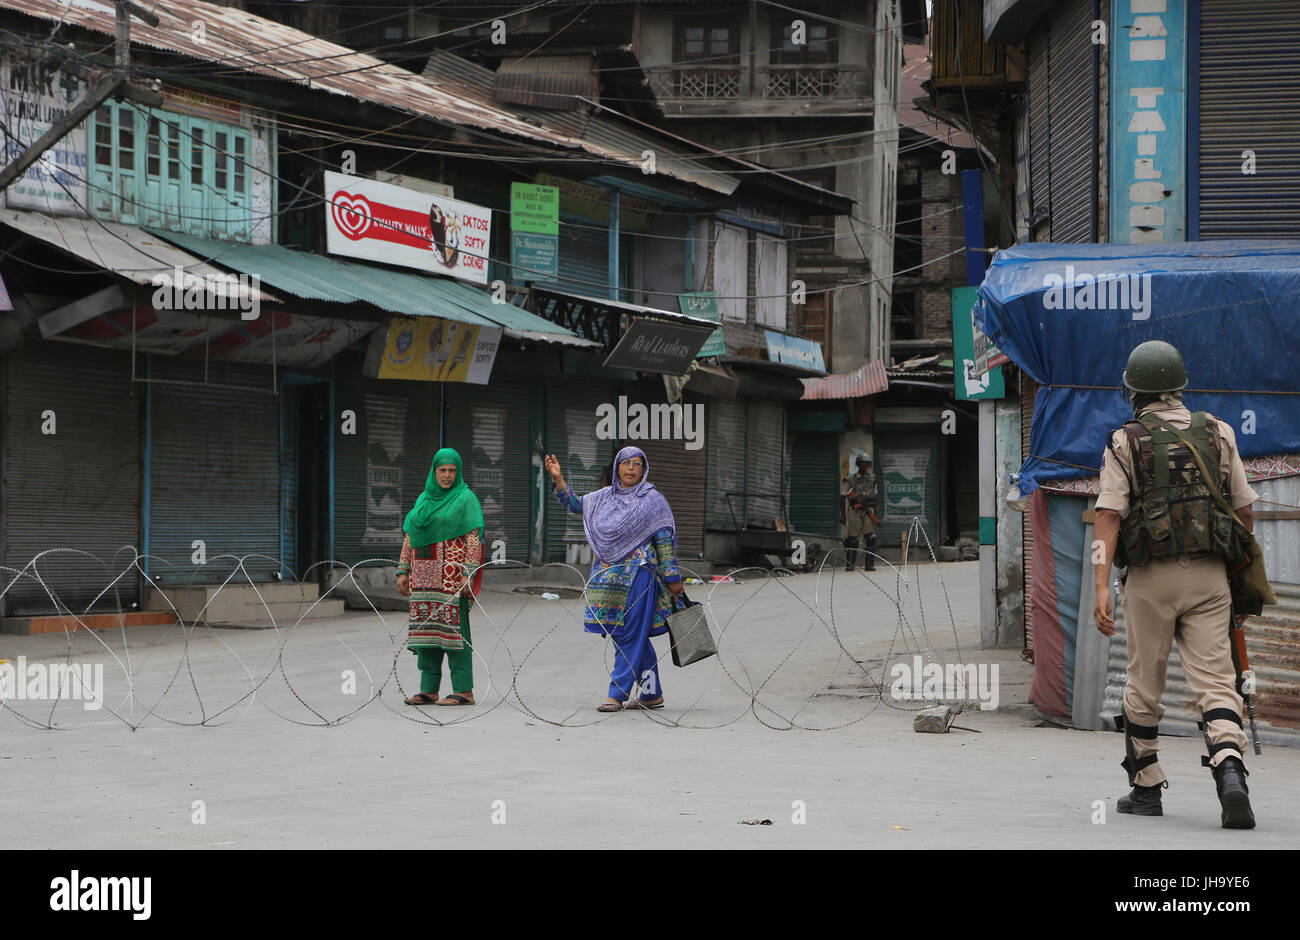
(429, 659)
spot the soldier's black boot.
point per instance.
(850, 546)
(1230, 781)
(871, 548)
(1143, 801)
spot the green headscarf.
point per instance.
(442, 514)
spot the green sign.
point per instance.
(704, 304)
(534, 257)
(969, 384)
(534, 208)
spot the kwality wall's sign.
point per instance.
(381, 222)
(1148, 107)
(664, 347)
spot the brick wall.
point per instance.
(942, 231)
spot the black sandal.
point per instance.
(456, 700)
(422, 698)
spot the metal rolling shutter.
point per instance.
(680, 475)
(289, 403)
(571, 437)
(488, 426)
(381, 470)
(1028, 391)
(1249, 85)
(726, 446)
(584, 258)
(1072, 87)
(215, 472)
(764, 457)
(77, 488)
(349, 465)
(815, 484)
(1063, 120)
(1040, 171)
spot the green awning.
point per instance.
(320, 277)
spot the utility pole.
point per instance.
(115, 82)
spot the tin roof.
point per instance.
(319, 277)
(264, 47)
(255, 44)
(123, 250)
(547, 81)
(870, 379)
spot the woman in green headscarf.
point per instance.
(439, 570)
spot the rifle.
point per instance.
(1241, 663)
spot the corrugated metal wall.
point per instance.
(1249, 84)
(1028, 391)
(215, 471)
(1280, 538)
(77, 488)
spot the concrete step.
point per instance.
(28, 626)
(217, 604)
(286, 613)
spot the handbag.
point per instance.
(688, 631)
(1247, 578)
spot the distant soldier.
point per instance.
(858, 513)
(1174, 538)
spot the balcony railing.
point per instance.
(774, 82)
(696, 83)
(813, 81)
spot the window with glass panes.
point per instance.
(167, 170)
(817, 47)
(708, 42)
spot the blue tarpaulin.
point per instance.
(1069, 315)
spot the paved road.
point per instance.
(554, 773)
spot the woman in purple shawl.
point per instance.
(634, 572)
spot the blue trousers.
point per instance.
(634, 655)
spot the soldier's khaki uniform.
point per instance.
(1186, 598)
(858, 521)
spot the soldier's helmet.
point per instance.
(1153, 367)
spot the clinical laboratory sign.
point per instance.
(380, 222)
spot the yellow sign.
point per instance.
(430, 349)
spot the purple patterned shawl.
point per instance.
(620, 520)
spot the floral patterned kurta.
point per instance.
(436, 614)
(607, 587)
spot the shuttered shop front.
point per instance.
(726, 470)
(1063, 74)
(214, 472)
(381, 469)
(815, 483)
(678, 471)
(1249, 90)
(488, 427)
(764, 462)
(571, 437)
(77, 487)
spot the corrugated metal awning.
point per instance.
(125, 250)
(870, 379)
(604, 304)
(319, 277)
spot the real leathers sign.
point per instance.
(381, 222)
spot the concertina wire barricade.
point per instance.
(133, 664)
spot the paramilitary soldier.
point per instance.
(858, 513)
(1174, 538)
